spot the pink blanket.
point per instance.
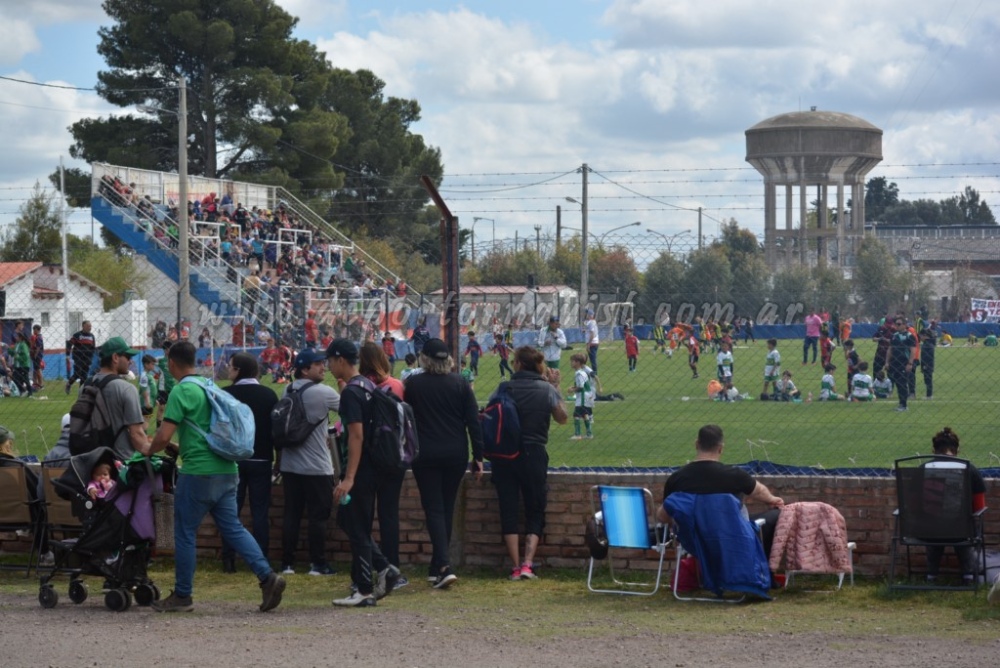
(811, 537)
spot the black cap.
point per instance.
(436, 349)
(343, 348)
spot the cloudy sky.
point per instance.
(654, 95)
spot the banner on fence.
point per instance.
(985, 310)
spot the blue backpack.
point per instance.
(232, 429)
(501, 426)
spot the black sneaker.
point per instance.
(173, 603)
(444, 579)
(272, 587)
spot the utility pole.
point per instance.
(558, 226)
(585, 264)
(538, 240)
(701, 239)
(183, 263)
(64, 228)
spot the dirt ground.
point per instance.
(225, 634)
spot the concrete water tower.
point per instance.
(813, 148)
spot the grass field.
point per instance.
(664, 407)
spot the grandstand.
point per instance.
(258, 258)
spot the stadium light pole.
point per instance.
(600, 239)
(670, 239)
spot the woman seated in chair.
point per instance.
(945, 444)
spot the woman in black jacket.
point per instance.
(255, 473)
(447, 417)
(526, 477)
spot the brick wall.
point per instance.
(866, 503)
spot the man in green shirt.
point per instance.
(22, 364)
(206, 483)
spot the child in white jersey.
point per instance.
(772, 366)
(862, 385)
(724, 363)
(882, 386)
(583, 402)
(785, 390)
(827, 387)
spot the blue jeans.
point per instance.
(592, 353)
(194, 497)
(255, 482)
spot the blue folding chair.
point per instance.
(625, 513)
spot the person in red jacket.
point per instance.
(631, 348)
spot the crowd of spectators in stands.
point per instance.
(265, 251)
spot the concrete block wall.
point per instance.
(866, 503)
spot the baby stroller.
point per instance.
(116, 537)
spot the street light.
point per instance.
(474, 221)
(670, 239)
(600, 240)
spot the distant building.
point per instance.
(35, 293)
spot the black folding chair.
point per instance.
(934, 497)
(19, 511)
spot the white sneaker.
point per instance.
(288, 570)
(355, 600)
(994, 596)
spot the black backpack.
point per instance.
(501, 426)
(90, 424)
(391, 431)
(289, 424)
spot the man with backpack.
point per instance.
(118, 406)
(305, 463)
(206, 483)
(358, 487)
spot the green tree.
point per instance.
(36, 235)
(114, 271)
(878, 281)
(750, 274)
(382, 159)
(613, 271)
(975, 211)
(792, 291)
(662, 286)
(708, 278)
(879, 196)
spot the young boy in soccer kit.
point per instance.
(882, 386)
(659, 340)
(583, 402)
(784, 388)
(467, 374)
(827, 387)
(772, 366)
(724, 363)
(851, 355)
(631, 348)
(862, 385)
(693, 350)
(411, 366)
(503, 350)
(825, 348)
(473, 350)
(148, 387)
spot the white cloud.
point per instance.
(17, 39)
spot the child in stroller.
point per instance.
(117, 530)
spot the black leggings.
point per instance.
(525, 477)
(439, 483)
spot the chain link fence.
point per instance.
(677, 299)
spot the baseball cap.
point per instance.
(436, 349)
(5, 434)
(343, 348)
(554, 318)
(308, 357)
(116, 346)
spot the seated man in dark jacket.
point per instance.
(708, 475)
